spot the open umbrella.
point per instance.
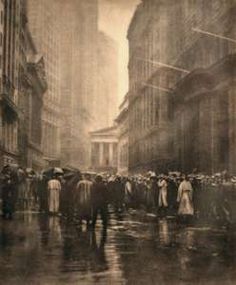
(58, 170)
(48, 172)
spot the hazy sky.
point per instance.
(114, 19)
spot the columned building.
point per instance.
(169, 40)
(104, 150)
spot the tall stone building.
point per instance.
(205, 115)
(86, 87)
(43, 28)
(21, 89)
(69, 102)
(122, 121)
(107, 86)
(149, 109)
(78, 57)
(173, 43)
(12, 20)
(33, 86)
(85, 74)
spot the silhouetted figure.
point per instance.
(9, 192)
(82, 198)
(99, 201)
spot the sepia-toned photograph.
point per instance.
(118, 142)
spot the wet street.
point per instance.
(135, 249)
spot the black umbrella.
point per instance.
(48, 172)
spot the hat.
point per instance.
(153, 175)
(98, 178)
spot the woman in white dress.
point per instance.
(162, 201)
(54, 188)
(185, 199)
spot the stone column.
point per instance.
(110, 154)
(101, 154)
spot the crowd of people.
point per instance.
(82, 197)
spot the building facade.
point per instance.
(36, 91)
(44, 31)
(104, 150)
(69, 102)
(12, 24)
(123, 137)
(84, 71)
(34, 86)
(205, 118)
(86, 87)
(168, 41)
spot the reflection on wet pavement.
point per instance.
(40, 250)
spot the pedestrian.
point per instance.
(162, 201)
(118, 194)
(185, 200)
(69, 201)
(172, 193)
(54, 189)
(21, 187)
(9, 191)
(99, 201)
(154, 190)
(43, 193)
(82, 198)
(128, 194)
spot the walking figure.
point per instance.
(82, 198)
(185, 200)
(54, 189)
(99, 201)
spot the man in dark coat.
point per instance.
(9, 192)
(118, 194)
(99, 201)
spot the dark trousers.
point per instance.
(7, 208)
(103, 211)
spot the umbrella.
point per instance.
(48, 172)
(70, 169)
(69, 175)
(58, 170)
(12, 167)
